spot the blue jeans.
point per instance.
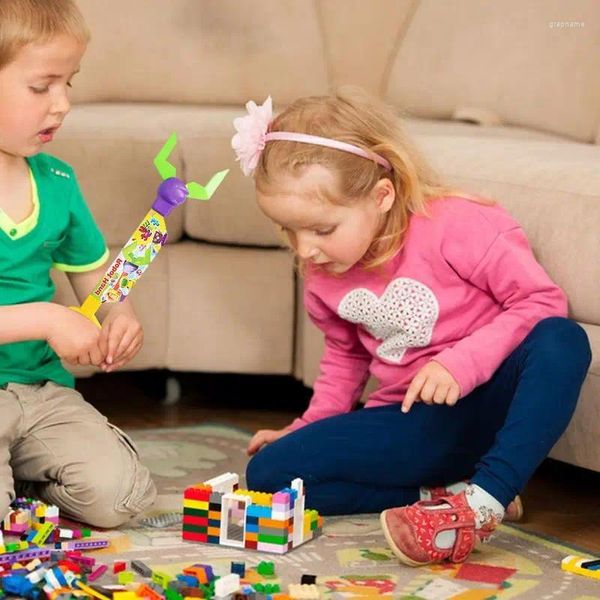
(375, 458)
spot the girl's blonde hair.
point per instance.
(352, 116)
(37, 21)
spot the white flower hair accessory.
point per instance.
(249, 141)
(252, 135)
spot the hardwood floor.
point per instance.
(560, 501)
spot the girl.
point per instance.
(435, 294)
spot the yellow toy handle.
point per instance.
(88, 309)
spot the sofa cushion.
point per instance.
(535, 64)
(362, 59)
(232, 309)
(213, 51)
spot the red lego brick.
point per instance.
(195, 537)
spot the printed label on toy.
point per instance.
(140, 250)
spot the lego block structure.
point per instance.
(217, 512)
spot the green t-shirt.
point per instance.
(60, 233)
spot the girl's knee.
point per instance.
(262, 473)
(563, 341)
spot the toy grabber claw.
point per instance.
(149, 237)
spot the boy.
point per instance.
(53, 444)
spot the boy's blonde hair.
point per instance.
(352, 116)
(37, 21)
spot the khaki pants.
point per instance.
(63, 451)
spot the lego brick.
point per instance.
(143, 569)
(193, 520)
(272, 539)
(125, 577)
(259, 511)
(195, 537)
(275, 548)
(195, 528)
(272, 523)
(197, 504)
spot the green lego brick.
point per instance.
(195, 512)
(272, 539)
(195, 528)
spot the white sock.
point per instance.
(486, 508)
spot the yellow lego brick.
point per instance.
(199, 504)
(258, 498)
(125, 596)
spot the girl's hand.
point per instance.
(263, 437)
(121, 337)
(73, 337)
(433, 384)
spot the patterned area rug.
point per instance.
(350, 559)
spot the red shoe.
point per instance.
(411, 530)
(514, 511)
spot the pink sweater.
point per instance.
(464, 291)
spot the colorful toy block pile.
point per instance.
(35, 531)
(69, 575)
(217, 512)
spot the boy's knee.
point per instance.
(109, 500)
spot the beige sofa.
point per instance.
(504, 98)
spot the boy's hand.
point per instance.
(263, 437)
(121, 337)
(433, 384)
(73, 337)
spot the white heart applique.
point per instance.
(403, 317)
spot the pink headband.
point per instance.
(251, 137)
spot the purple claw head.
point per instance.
(171, 193)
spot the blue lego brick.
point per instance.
(259, 511)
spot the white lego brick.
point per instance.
(228, 584)
(228, 499)
(224, 483)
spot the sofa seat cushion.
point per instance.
(456, 128)
(232, 309)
